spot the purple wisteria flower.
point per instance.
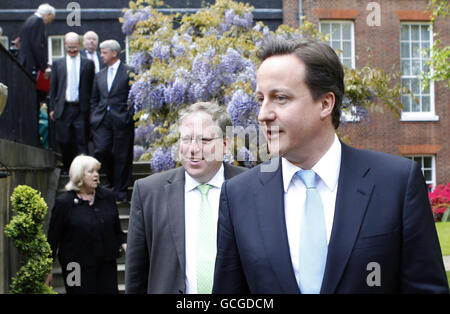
(140, 61)
(139, 93)
(157, 97)
(161, 52)
(242, 108)
(232, 19)
(132, 17)
(246, 156)
(137, 152)
(162, 159)
(175, 93)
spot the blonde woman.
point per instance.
(85, 229)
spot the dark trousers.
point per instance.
(71, 130)
(113, 147)
(98, 278)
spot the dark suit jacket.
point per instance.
(155, 259)
(80, 233)
(58, 85)
(116, 99)
(33, 44)
(382, 215)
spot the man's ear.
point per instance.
(327, 102)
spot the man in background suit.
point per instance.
(172, 233)
(70, 92)
(33, 40)
(90, 45)
(329, 218)
(112, 119)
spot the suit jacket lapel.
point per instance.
(352, 199)
(174, 190)
(269, 202)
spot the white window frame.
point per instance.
(50, 56)
(433, 167)
(4, 39)
(352, 36)
(418, 116)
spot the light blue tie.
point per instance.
(313, 237)
(110, 77)
(73, 88)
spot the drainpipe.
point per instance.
(300, 12)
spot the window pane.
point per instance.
(415, 86)
(427, 175)
(325, 28)
(418, 160)
(414, 32)
(426, 46)
(336, 30)
(427, 162)
(415, 50)
(56, 47)
(404, 32)
(406, 101)
(348, 62)
(347, 48)
(405, 50)
(426, 104)
(415, 106)
(346, 31)
(416, 67)
(425, 32)
(405, 67)
(336, 45)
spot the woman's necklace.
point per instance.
(87, 197)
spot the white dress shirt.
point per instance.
(110, 79)
(327, 168)
(192, 206)
(93, 56)
(69, 68)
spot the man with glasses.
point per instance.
(70, 91)
(173, 221)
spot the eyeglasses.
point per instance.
(203, 140)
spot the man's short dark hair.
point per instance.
(324, 72)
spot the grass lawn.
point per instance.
(443, 230)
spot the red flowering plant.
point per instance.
(440, 201)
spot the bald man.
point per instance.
(90, 45)
(70, 90)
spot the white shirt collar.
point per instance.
(38, 15)
(327, 168)
(190, 183)
(69, 58)
(115, 66)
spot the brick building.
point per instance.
(422, 131)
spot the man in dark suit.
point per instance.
(90, 45)
(328, 218)
(172, 233)
(70, 92)
(33, 40)
(112, 119)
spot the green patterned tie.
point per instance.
(206, 243)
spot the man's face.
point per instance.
(287, 104)
(202, 146)
(90, 42)
(47, 18)
(72, 47)
(108, 56)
